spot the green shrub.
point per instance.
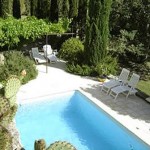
(107, 66)
(83, 70)
(125, 47)
(14, 63)
(72, 51)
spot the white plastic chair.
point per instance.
(122, 79)
(48, 52)
(37, 57)
(126, 89)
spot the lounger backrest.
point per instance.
(124, 75)
(35, 52)
(134, 80)
(48, 49)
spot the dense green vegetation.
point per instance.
(12, 30)
(97, 31)
(14, 63)
(72, 51)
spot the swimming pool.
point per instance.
(72, 117)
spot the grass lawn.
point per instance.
(144, 86)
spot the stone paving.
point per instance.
(133, 113)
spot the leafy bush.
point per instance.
(107, 66)
(126, 48)
(14, 63)
(72, 51)
(82, 70)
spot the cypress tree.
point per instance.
(73, 11)
(81, 18)
(27, 6)
(16, 9)
(54, 11)
(6, 8)
(33, 7)
(63, 6)
(0, 8)
(43, 8)
(97, 30)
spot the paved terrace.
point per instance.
(133, 113)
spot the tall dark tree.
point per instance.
(43, 8)
(33, 7)
(16, 9)
(0, 8)
(131, 15)
(65, 8)
(80, 20)
(73, 10)
(6, 8)
(54, 11)
(97, 30)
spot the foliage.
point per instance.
(124, 17)
(83, 70)
(16, 9)
(125, 48)
(72, 50)
(73, 12)
(43, 8)
(15, 62)
(6, 8)
(79, 22)
(27, 8)
(107, 66)
(12, 30)
(34, 7)
(97, 30)
(54, 10)
(64, 8)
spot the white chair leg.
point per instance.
(116, 97)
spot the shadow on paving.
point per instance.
(60, 64)
(134, 106)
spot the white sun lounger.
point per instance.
(37, 57)
(48, 52)
(122, 79)
(126, 89)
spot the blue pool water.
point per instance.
(72, 117)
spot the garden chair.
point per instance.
(48, 53)
(37, 57)
(122, 79)
(126, 89)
